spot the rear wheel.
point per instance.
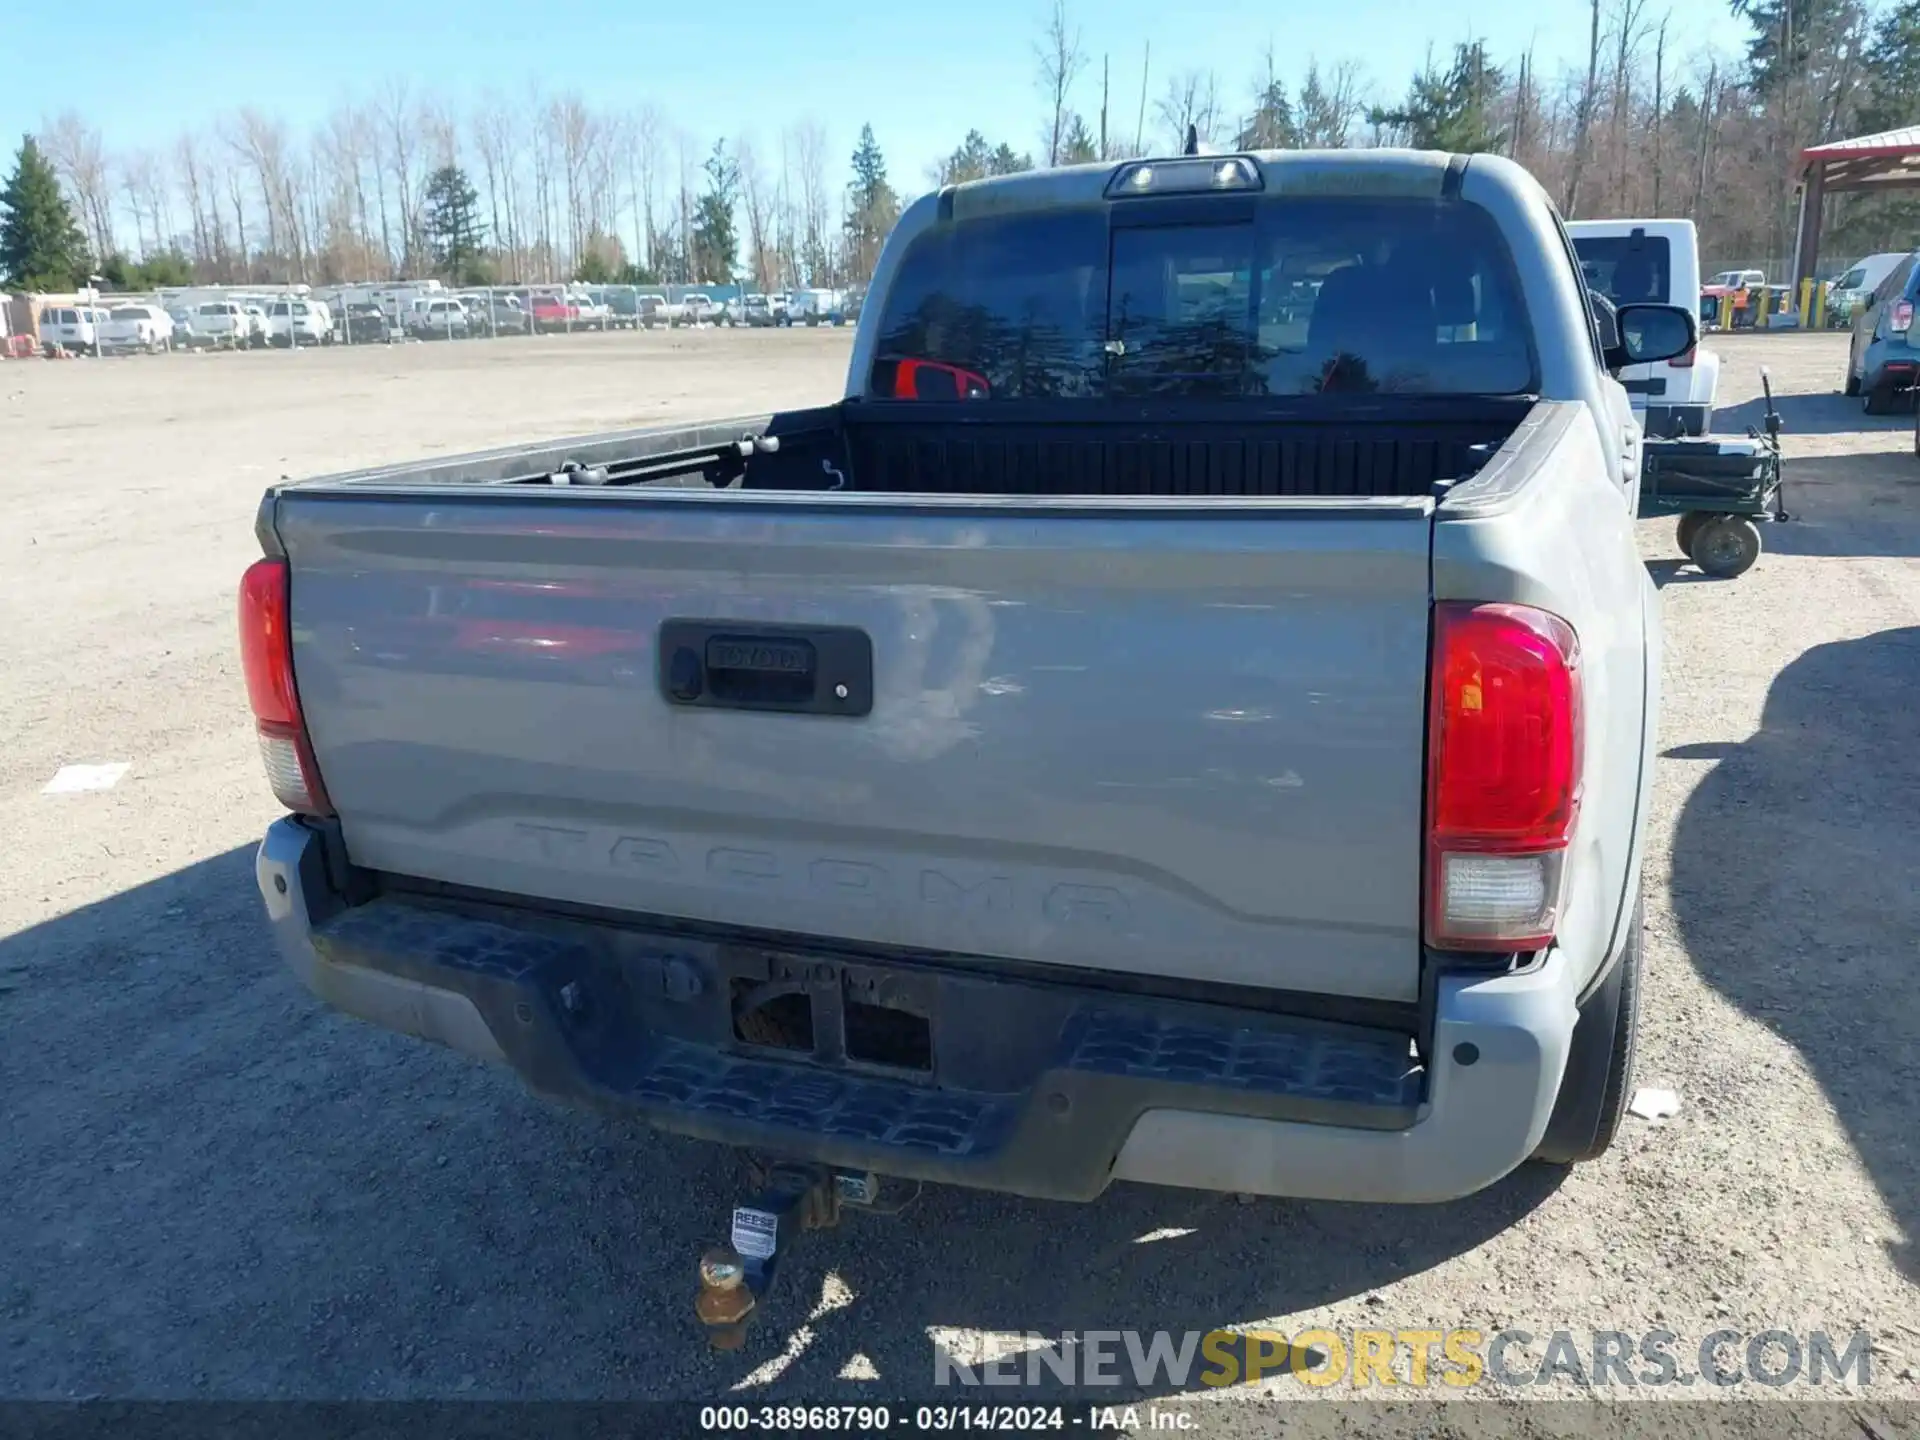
(1852, 387)
(1876, 401)
(1726, 546)
(1598, 1080)
(1689, 526)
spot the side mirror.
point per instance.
(1653, 332)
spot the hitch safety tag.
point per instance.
(856, 1187)
(756, 1233)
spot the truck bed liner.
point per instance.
(1400, 446)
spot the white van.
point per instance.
(74, 328)
(1863, 277)
(1654, 262)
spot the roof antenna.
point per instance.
(1193, 141)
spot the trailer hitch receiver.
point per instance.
(735, 1278)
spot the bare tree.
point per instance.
(259, 143)
(78, 156)
(1659, 108)
(207, 242)
(139, 181)
(643, 173)
(398, 118)
(1061, 60)
(1631, 30)
(1584, 123)
(1191, 102)
(493, 141)
(811, 155)
(1709, 97)
(757, 200)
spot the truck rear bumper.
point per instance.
(1034, 1088)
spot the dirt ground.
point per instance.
(213, 1187)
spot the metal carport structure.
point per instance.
(1887, 161)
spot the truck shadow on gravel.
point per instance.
(1793, 887)
(219, 1188)
(1825, 413)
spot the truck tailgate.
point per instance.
(1138, 737)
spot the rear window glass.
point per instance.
(1288, 297)
(1627, 269)
(1896, 281)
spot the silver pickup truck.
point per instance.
(1185, 716)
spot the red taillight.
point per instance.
(1503, 774)
(1684, 361)
(266, 658)
(1902, 319)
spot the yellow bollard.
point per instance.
(1726, 312)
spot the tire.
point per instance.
(1598, 1080)
(1876, 401)
(1689, 526)
(1852, 387)
(1726, 546)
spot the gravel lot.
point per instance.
(214, 1187)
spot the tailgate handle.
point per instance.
(797, 669)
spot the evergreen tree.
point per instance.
(1004, 162)
(1791, 38)
(716, 244)
(872, 207)
(41, 247)
(1451, 109)
(1077, 146)
(1892, 65)
(450, 211)
(976, 159)
(1271, 126)
(1319, 120)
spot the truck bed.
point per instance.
(1399, 446)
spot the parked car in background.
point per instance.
(696, 307)
(816, 307)
(362, 322)
(502, 314)
(1859, 282)
(1738, 279)
(757, 311)
(1883, 350)
(440, 318)
(256, 313)
(223, 324)
(653, 310)
(552, 312)
(183, 332)
(593, 314)
(136, 327)
(622, 304)
(299, 322)
(1654, 262)
(71, 328)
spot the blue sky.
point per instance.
(921, 73)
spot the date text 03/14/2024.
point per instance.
(944, 1419)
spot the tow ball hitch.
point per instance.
(792, 1198)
